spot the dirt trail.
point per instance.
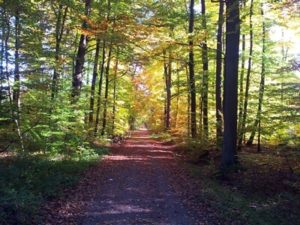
(135, 188)
(133, 185)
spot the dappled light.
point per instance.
(149, 112)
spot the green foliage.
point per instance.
(26, 183)
(163, 136)
(246, 200)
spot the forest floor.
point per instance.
(140, 182)
(152, 179)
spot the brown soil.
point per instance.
(139, 183)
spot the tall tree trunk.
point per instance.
(241, 86)
(93, 84)
(77, 76)
(169, 94)
(13, 100)
(75, 52)
(245, 108)
(2, 55)
(204, 93)
(178, 94)
(7, 63)
(219, 60)
(189, 102)
(115, 92)
(284, 53)
(167, 75)
(192, 71)
(102, 70)
(100, 89)
(87, 82)
(262, 81)
(229, 156)
(17, 85)
(104, 119)
(60, 26)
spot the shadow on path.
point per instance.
(134, 188)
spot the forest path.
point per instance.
(139, 183)
(135, 187)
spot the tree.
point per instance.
(93, 84)
(229, 156)
(247, 87)
(204, 93)
(257, 121)
(104, 118)
(192, 87)
(168, 82)
(77, 76)
(218, 87)
(102, 68)
(17, 80)
(59, 32)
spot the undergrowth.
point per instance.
(262, 194)
(27, 182)
(162, 136)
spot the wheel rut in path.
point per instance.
(135, 187)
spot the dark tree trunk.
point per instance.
(93, 84)
(229, 156)
(115, 92)
(87, 82)
(178, 94)
(102, 70)
(2, 55)
(6, 57)
(204, 92)
(247, 87)
(60, 26)
(14, 95)
(77, 76)
(219, 62)
(167, 75)
(192, 87)
(169, 94)
(104, 119)
(262, 83)
(241, 86)
(17, 85)
(100, 89)
(189, 103)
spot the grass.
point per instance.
(27, 182)
(263, 193)
(162, 136)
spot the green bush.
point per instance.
(25, 183)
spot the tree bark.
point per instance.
(229, 156)
(241, 86)
(191, 63)
(2, 55)
(100, 88)
(167, 76)
(204, 92)
(178, 94)
(115, 92)
(93, 84)
(60, 26)
(104, 119)
(11, 95)
(77, 76)
(17, 81)
(262, 82)
(219, 63)
(247, 87)
(189, 103)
